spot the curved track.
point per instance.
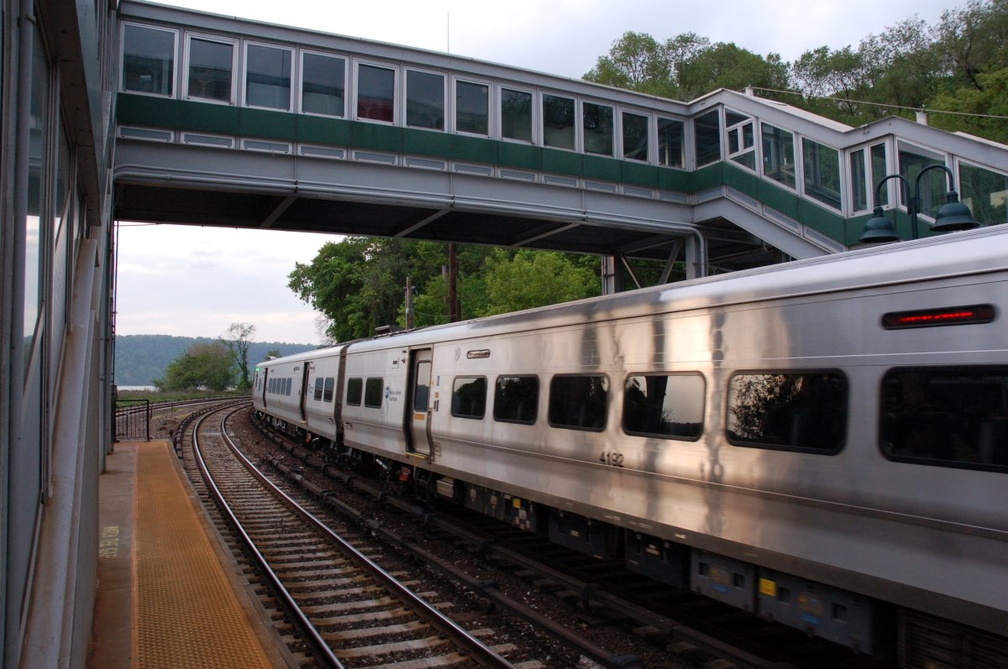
(354, 612)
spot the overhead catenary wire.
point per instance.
(879, 104)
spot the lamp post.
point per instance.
(953, 215)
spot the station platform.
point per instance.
(169, 593)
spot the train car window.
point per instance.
(670, 406)
(288, 386)
(516, 399)
(323, 84)
(946, 416)
(800, 411)
(327, 394)
(354, 391)
(579, 402)
(319, 382)
(148, 60)
(373, 388)
(469, 397)
(268, 77)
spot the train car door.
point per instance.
(419, 410)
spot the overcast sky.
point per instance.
(197, 281)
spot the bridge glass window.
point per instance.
(148, 60)
(210, 69)
(354, 391)
(516, 115)
(985, 193)
(879, 169)
(778, 155)
(859, 181)
(516, 399)
(558, 121)
(375, 93)
(319, 382)
(671, 142)
(374, 387)
(425, 100)
(327, 392)
(946, 416)
(597, 128)
(579, 402)
(798, 411)
(933, 185)
(822, 172)
(635, 137)
(472, 108)
(741, 139)
(469, 397)
(267, 77)
(707, 137)
(323, 85)
(669, 406)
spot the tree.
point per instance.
(534, 279)
(239, 336)
(636, 62)
(203, 365)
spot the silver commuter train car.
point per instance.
(822, 443)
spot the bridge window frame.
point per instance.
(707, 138)
(565, 138)
(778, 146)
(503, 118)
(588, 124)
(247, 46)
(464, 128)
(816, 181)
(629, 148)
(342, 83)
(188, 82)
(864, 172)
(124, 68)
(393, 94)
(740, 138)
(671, 135)
(410, 101)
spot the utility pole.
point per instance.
(454, 308)
(409, 304)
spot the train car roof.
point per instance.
(970, 252)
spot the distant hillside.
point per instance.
(139, 359)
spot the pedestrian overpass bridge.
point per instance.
(226, 122)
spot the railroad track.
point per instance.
(351, 611)
(684, 629)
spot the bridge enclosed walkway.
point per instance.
(169, 594)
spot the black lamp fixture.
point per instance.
(953, 215)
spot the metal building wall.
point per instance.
(57, 65)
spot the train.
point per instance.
(823, 443)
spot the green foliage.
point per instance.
(203, 365)
(238, 341)
(527, 279)
(955, 65)
(359, 283)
